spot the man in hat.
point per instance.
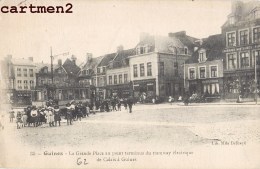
(57, 117)
(69, 114)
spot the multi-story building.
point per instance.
(99, 78)
(118, 74)
(242, 49)
(87, 72)
(204, 70)
(21, 79)
(65, 85)
(156, 68)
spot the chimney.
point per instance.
(9, 57)
(73, 58)
(143, 36)
(177, 34)
(30, 58)
(89, 57)
(236, 7)
(59, 62)
(120, 48)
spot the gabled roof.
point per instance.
(214, 46)
(124, 54)
(106, 59)
(162, 43)
(92, 63)
(70, 67)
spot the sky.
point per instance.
(98, 27)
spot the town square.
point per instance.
(130, 84)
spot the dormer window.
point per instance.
(185, 50)
(202, 56)
(98, 70)
(231, 20)
(256, 13)
(142, 49)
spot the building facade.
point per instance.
(118, 74)
(65, 85)
(242, 49)
(156, 68)
(21, 80)
(204, 70)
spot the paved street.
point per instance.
(156, 127)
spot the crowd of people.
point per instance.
(51, 114)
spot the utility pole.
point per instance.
(256, 80)
(52, 76)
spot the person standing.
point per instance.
(24, 117)
(130, 104)
(119, 105)
(50, 117)
(34, 114)
(57, 117)
(125, 103)
(11, 116)
(69, 114)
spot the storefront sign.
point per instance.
(241, 48)
(210, 81)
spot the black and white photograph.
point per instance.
(130, 84)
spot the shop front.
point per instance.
(22, 98)
(144, 89)
(240, 83)
(120, 91)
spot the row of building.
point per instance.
(220, 66)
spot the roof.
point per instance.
(92, 63)
(39, 66)
(162, 43)
(22, 62)
(71, 67)
(243, 12)
(213, 45)
(106, 59)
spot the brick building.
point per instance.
(242, 49)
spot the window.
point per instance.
(120, 79)
(244, 59)
(161, 69)
(202, 72)
(135, 70)
(232, 61)
(115, 79)
(110, 80)
(185, 51)
(256, 54)
(256, 35)
(45, 70)
(103, 69)
(149, 69)
(213, 71)
(31, 84)
(202, 56)
(125, 78)
(84, 72)
(192, 73)
(59, 71)
(98, 70)
(231, 39)
(25, 72)
(49, 81)
(244, 37)
(256, 14)
(31, 72)
(25, 83)
(231, 20)
(19, 84)
(141, 69)
(19, 73)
